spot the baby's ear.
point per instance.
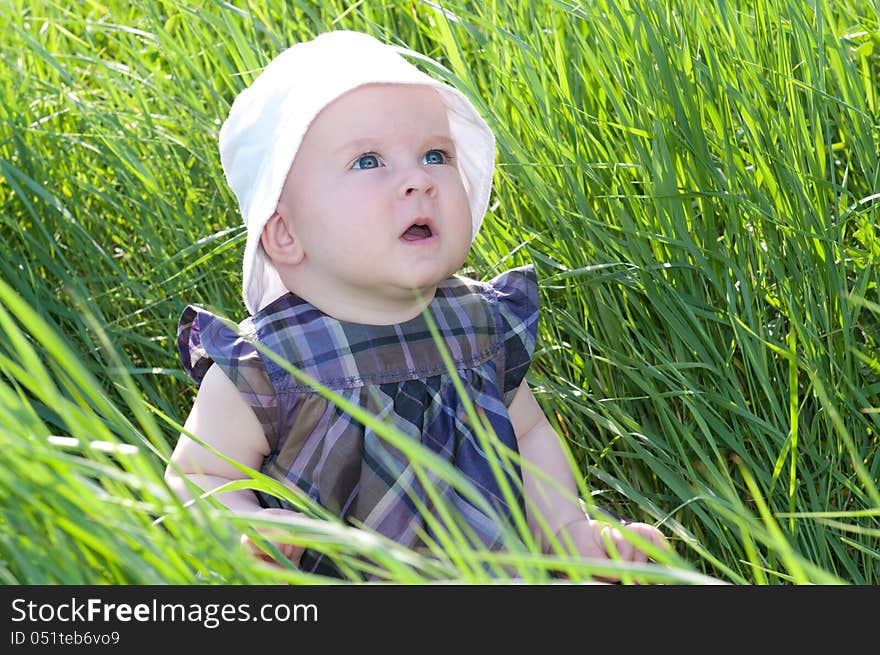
(279, 242)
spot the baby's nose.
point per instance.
(416, 180)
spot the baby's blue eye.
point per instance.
(366, 162)
(435, 157)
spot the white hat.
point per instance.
(267, 121)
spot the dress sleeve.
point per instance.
(517, 294)
(204, 339)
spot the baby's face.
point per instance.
(374, 195)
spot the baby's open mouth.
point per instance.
(416, 232)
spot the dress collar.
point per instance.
(342, 354)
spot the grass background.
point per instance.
(697, 183)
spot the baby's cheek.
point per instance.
(351, 251)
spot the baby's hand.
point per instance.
(608, 541)
(290, 551)
(599, 540)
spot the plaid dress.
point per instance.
(396, 373)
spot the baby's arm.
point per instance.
(540, 446)
(222, 418)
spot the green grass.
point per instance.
(697, 185)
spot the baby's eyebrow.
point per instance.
(442, 140)
(370, 143)
(365, 143)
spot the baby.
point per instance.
(362, 182)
